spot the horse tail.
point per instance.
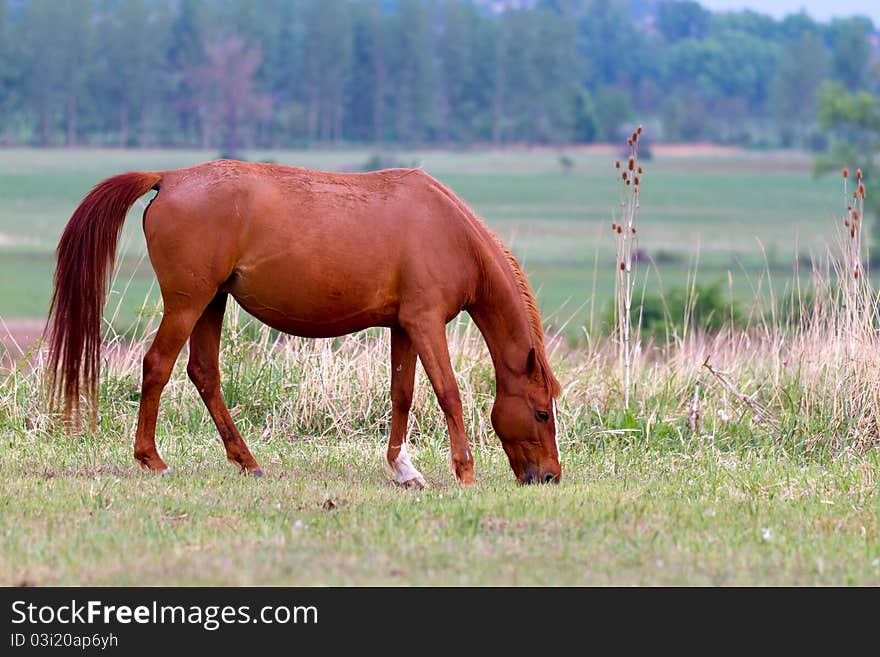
(85, 256)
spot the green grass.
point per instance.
(724, 209)
(626, 513)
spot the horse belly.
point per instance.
(295, 301)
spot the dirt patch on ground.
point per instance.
(17, 336)
(9, 240)
(697, 149)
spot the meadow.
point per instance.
(645, 499)
(734, 217)
(763, 473)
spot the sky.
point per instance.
(821, 10)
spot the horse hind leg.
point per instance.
(176, 325)
(403, 373)
(204, 371)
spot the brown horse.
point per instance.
(313, 254)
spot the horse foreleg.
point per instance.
(403, 374)
(158, 363)
(429, 339)
(204, 371)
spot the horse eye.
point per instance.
(542, 416)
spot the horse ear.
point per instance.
(532, 363)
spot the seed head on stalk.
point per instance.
(624, 228)
(855, 289)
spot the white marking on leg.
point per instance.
(403, 467)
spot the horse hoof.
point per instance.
(257, 473)
(415, 482)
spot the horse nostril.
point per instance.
(530, 475)
(548, 478)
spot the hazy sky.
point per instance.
(821, 10)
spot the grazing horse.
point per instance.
(313, 254)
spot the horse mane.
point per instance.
(536, 325)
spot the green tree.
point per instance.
(799, 74)
(794, 26)
(520, 76)
(470, 91)
(414, 74)
(228, 97)
(73, 47)
(280, 75)
(129, 71)
(482, 84)
(729, 64)
(326, 53)
(612, 110)
(852, 120)
(850, 40)
(681, 19)
(748, 22)
(609, 42)
(185, 54)
(684, 116)
(539, 66)
(419, 71)
(585, 128)
(368, 84)
(41, 68)
(459, 100)
(8, 82)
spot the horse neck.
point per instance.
(500, 314)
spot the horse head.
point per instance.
(524, 417)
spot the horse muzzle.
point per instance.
(535, 475)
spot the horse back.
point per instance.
(313, 252)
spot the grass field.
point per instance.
(733, 216)
(326, 514)
(644, 500)
(785, 496)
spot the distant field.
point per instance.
(738, 214)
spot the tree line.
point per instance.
(233, 74)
